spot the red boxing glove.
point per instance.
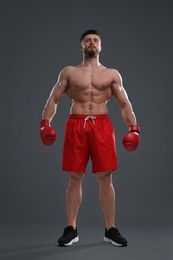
(47, 133)
(131, 140)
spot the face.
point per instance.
(91, 45)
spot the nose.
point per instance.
(92, 43)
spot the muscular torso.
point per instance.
(89, 89)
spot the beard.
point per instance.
(91, 52)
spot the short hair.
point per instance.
(90, 32)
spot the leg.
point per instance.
(73, 197)
(107, 197)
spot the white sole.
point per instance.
(76, 239)
(111, 241)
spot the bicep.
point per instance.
(119, 92)
(60, 87)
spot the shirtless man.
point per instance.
(89, 132)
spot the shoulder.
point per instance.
(116, 76)
(114, 72)
(66, 71)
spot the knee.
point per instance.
(104, 177)
(75, 178)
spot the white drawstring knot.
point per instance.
(89, 117)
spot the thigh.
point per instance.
(103, 147)
(75, 150)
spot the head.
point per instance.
(91, 43)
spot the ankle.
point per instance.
(72, 225)
(110, 226)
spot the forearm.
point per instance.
(128, 115)
(49, 110)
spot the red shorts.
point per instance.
(89, 136)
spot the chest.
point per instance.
(82, 79)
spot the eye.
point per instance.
(87, 40)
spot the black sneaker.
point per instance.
(113, 236)
(69, 237)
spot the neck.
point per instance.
(91, 62)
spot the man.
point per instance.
(89, 132)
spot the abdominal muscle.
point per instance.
(88, 108)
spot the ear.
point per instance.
(81, 47)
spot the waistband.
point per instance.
(74, 116)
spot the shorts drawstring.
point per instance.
(89, 117)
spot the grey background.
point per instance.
(39, 38)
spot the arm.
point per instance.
(47, 133)
(57, 92)
(121, 96)
(131, 139)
